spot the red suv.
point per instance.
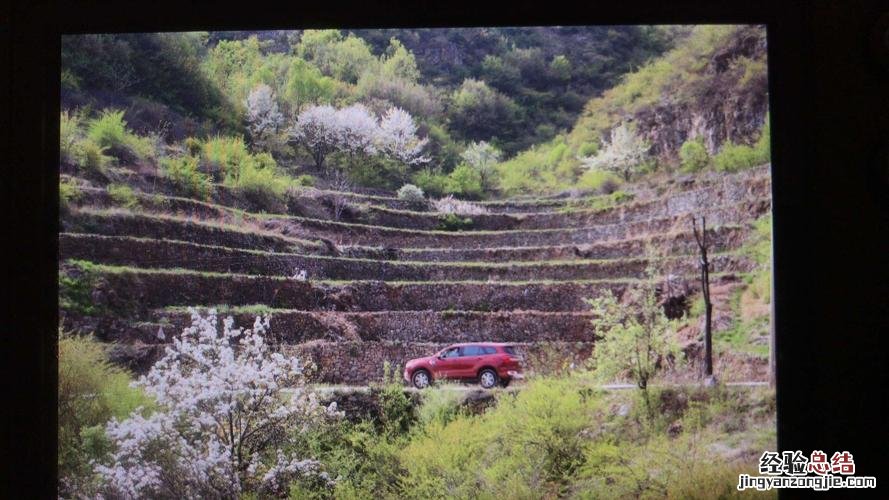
(488, 363)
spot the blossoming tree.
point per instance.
(222, 423)
(625, 154)
(398, 137)
(264, 120)
(317, 130)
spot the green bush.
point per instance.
(411, 194)
(224, 155)
(68, 192)
(694, 155)
(193, 146)
(183, 172)
(69, 134)
(465, 182)
(108, 130)
(433, 184)
(453, 222)
(258, 178)
(733, 157)
(91, 157)
(304, 180)
(91, 391)
(598, 180)
(123, 195)
(441, 405)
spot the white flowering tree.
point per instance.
(398, 137)
(264, 120)
(317, 130)
(625, 154)
(482, 157)
(222, 422)
(357, 130)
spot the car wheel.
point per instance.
(421, 379)
(488, 378)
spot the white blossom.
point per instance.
(625, 154)
(482, 157)
(264, 120)
(398, 137)
(317, 129)
(357, 130)
(451, 205)
(220, 409)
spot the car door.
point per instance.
(469, 360)
(447, 363)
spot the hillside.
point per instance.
(709, 92)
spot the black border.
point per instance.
(830, 129)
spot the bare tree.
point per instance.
(701, 239)
(340, 185)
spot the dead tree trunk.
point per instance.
(701, 240)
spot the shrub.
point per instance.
(108, 130)
(599, 180)
(694, 155)
(224, 155)
(91, 157)
(733, 157)
(91, 391)
(184, 174)
(464, 181)
(411, 193)
(440, 405)
(453, 222)
(304, 180)
(258, 177)
(123, 195)
(451, 205)
(69, 134)
(432, 183)
(193, 146)
(68, 191)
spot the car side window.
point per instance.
(451, 353)
(470, 350)
(489, 350)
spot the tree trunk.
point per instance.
(701, 240)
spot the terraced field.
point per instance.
(387, 282)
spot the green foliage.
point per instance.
(69, 135)
(162, 67)
(543, 168)
(453, 222)
(108, 130)
(342, 58)
(598, 180)
(258, 178)
(635, 342)
(91, 391)
(733, 157)
(432, 183)
(184, 173)
(479, 112)
(441, 405)
(123, 195)
(304, 180)
(465, 182)
(397, 413)
(193, 146)
(306, 85)
(69, 191)
(224, 155)
(91, 157)
(694, 155)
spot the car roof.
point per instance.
(464, 344)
